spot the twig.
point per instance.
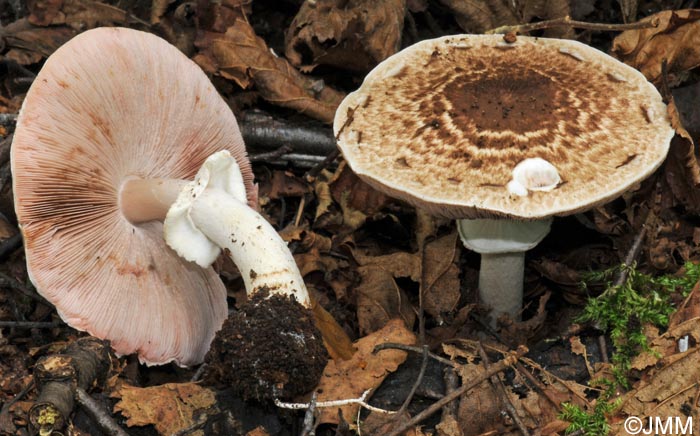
(313, 172)
(9, 245)
(421, 336)
(414, 349)
(308, 429)
(497, 367)
(451, 384)
(538, 384)
(335, 403)
(260, 130)
(198, 425)
(98, 414)
(29, 324)
(630, 260)
(8, 119)
(270, 155)
(568, 22)
(199, 373)
(502, 395)
(9, 282)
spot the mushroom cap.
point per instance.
(109, 105)
(443, 123)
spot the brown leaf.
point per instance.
(689, 309)
(286, 184)
(243, 57)
(441, 288)
(666, 392)
(355, 35)
(355, 195)
(676, 39)
(216, 16)
(366, 370)
(30, 44)
(170, 407)
(379, 298)
(682, 170)
(478, 16)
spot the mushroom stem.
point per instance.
(258, 251)
(143, 200)
(502, 244)
(501, 282)
(246, 237)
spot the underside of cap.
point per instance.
(443, 124)
(110, 105)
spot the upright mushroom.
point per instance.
(113, 129)
(503, 136)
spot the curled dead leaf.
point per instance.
(478, 16)
(170, 407)
(344, 379)
(675, 39)
(240, 55)
(355, 35)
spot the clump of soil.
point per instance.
(269, 348)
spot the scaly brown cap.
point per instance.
(112, 104)
(443, 124)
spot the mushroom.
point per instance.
(115, 125)
(502, 137)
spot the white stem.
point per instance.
(258, 251)
(501, 283)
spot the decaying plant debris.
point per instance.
(424, 359)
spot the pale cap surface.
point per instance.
(443, 123)
(112, 104)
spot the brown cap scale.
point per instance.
(473, 127)
(109, 106)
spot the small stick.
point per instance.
(538, 384)
(568, 22)
(8, 119)
(335, 403)
(201, 422)
(497, 367)
(10, 282)
(271, 155)
(313, 172)
(414, 349)
(308, 429)
(451, 385)
(497, 385)
(29, 324)
(9, 245)
(98, 414)
(199, 373)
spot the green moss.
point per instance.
(624, 310)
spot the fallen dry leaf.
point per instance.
(30, 44)
(682, 170)
(170, 407)
(664, 392)
(80, 15)
(240, 55)
(676, 39)
(478, 16)
(379, 297)
(351, 378)
(356, 35)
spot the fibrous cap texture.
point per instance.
(110, 105)
(443, 124)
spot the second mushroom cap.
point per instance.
(443, 124)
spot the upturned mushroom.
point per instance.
(112, 131)
(503, 136)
